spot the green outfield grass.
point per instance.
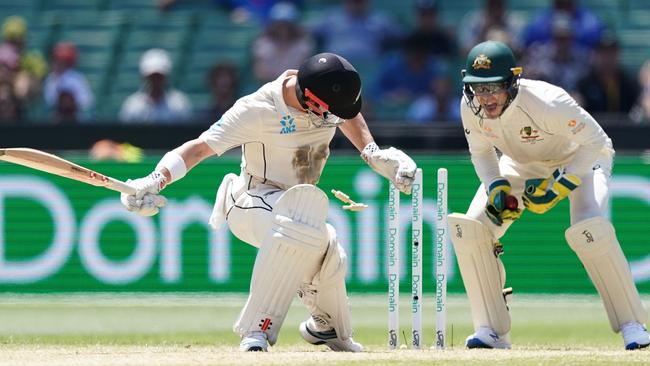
(135, 329)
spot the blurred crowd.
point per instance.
(411, 72)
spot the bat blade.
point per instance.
(53, 164)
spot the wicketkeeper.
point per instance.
(284, 130)
(551, 149)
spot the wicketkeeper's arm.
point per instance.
(566, 118)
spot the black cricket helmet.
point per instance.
(329, 84)
(490, 62)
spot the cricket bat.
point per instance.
(53, 164)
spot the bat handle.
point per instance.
(119, 186)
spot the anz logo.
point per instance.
(288, 125)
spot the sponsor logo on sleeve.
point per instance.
(487, 132)
(576, 127)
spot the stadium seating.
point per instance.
(113, 34)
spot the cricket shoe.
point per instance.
(254, 342)
(635, 336)
(486, 338)
(329, 339)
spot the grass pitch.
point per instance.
(137, 329)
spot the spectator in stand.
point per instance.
(106, 149)
(66, 108)
(223, 81)
(30, 66)
(607, 87)
(640, 113)
(283, 45)
(407, 75)
(9, 112)
(156, 101)
(441, 104)
(242, 11)
(65, 78)
(587, 27)
(9, 65)
(561, 61)
(476, 25)
(356, 32)
(440, 40)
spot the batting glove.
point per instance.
(496, 208)
(543, 194)
(391, 163)
(146, 201)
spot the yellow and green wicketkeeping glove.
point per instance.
(542, 194)
(496, 208)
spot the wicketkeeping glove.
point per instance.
(542, 194)
(496, 208)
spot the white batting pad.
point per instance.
(482, 271)
(594, 241)
(290, 255)
(326, 296)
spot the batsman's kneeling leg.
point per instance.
(326, 298)
(594, 241)
(291, 252)
(482, 272)
(326, 295)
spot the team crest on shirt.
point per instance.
(529, 135)
(482, 62)
(288, 124)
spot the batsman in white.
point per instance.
(551, 149)
(284, 130)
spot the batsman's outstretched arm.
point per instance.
(391, 163)
(172, 167)
(356, 130)
(192, 153)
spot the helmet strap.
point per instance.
(301, 96)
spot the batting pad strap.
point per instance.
(289, 231)
(482, 272)
(594, 241)
(175, 164)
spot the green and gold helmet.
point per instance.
(490, 63)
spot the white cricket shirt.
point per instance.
(279, 145)
(542, 124)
